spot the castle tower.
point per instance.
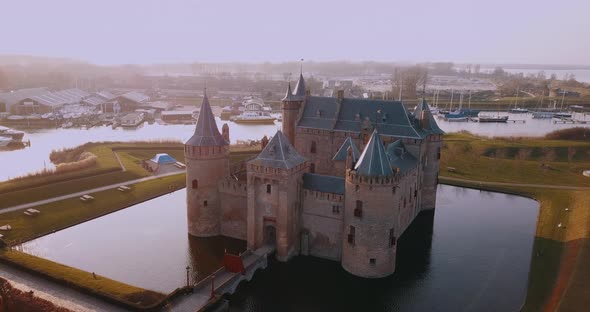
(207, 162)
(370, 213)
(274, 179)
(291, 106)
(339, 165)
(431, 161)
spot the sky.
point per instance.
(140, 32)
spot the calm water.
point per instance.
(474, 256)
(43, 141)
(36, 157)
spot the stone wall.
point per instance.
(327, 144)
(234, 208)
(322, 223)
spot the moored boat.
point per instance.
(491, 118)
(13, 135)
(519, 110)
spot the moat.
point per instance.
(473, 254)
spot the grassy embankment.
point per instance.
(61, 214)
(559, 274)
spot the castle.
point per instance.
(342, 180)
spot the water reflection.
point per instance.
(205, 254)
(472, 254)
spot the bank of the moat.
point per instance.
(474, 252)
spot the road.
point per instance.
(78, 194)
(550, 186)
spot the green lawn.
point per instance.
(61, 214)
(98, 284)
(554, 256)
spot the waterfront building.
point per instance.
(342, 180)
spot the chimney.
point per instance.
(349, 161)
(264, 141)
(340, 94)
(424, 122)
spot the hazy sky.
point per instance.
(122, 31)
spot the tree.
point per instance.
(408, 79)
(3, 80)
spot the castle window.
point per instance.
(393, 189)
(358, 211)
(335, 209)
(357, 188)
(312, 168)
(415, 193)
(438, 153)
(205, 204)
(373, 261)
(195, 184)
(404, 203)
(268, 188)
(392, 239)
(351, 235)
(313, 147)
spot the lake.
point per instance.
(472, 253)
(43, 141)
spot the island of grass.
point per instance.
(550, 171)
(115, 163)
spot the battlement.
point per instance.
(230, 185)
(205, 152)
(353, 177)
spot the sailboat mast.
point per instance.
(451, 105)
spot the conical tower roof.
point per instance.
(206, 132)
(278, 153)
(432, 126)
(288, 95)
(300, 88)
(341, 153)
(373, 161)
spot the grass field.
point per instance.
(94, 283)
(107, 171)
(559, 274)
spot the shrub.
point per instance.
(574, 134)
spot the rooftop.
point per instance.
(341, 153)
(322, 183)
(206, 131)
(374, 161)
(279, 153)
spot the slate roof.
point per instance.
(289, 95)
(322, 183)
(95, 100)
(206, 131)
(388, 117)
(300, 88)
(374, 161)
(399, 157)
(278, 153)
(341, 153)
(433, 127)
